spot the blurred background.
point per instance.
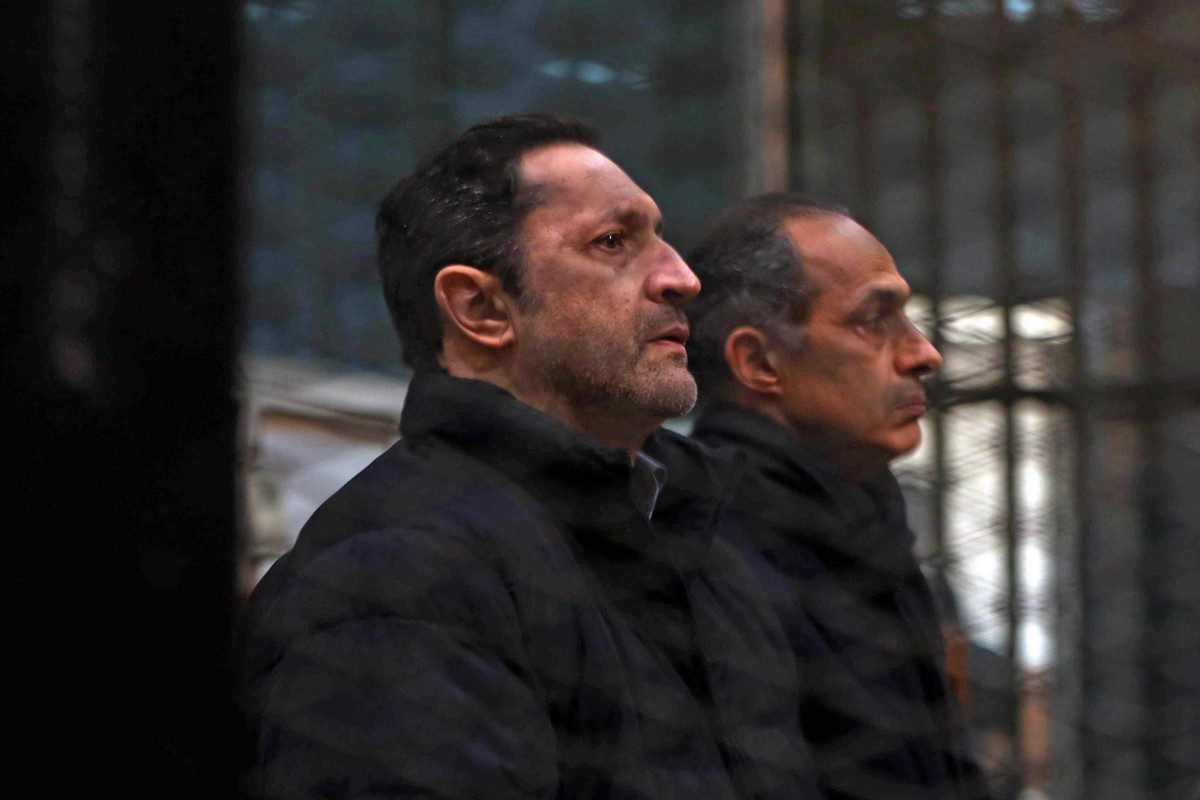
(1032, 166)
(204, 303)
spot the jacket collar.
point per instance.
(585, 485)
(864, 522)
(701, 482)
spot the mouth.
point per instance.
(914, 404)
(675, 336)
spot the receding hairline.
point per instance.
(804, 213)
(808, 215)
(821, 245)
(539, 188)
(539, 192)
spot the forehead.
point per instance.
(572, 180)
(841, 258)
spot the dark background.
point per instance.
(119, 318)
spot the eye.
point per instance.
(611, 241)
(875, 320)
(881, 322)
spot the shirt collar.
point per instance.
(648, 478)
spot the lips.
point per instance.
(913, 403)
(676, 333)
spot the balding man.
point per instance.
(807, 364)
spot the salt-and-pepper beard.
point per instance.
(592, 365)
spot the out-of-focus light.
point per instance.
(919, 309)
(1097, 10)
(634, 80)
(594, 73)
(292, 14)
(298, 12)
(1033, 322)
(1018, 10)
(967, 319)
(1036, 647)
(591, 72)
(558, 68)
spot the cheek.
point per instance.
(586, 322)
(845, 395)
(834, 379)
(600, 296)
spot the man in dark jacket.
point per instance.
(516, 601)
(808, 364)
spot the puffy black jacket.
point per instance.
(484, 613)
(874, 704)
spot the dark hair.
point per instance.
(751, 274)
(463, 205)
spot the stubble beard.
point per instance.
(599, 371)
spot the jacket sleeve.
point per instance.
(398, 671)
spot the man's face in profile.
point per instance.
(602, 323)
(854, 381)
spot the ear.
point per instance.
(751, 360)
(474, 304)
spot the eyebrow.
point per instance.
(882, 294)
(631, 216)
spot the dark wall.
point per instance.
(119, 315)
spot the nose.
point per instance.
(916, 355)
(671, 280)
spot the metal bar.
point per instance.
(805, 31)
(1152, 650)
(1006, 292)
(864, 161)
(812, 146)
(931, 79)
(765, 127)
(1102, 399)
(796, 132)
(1071, 159)
(1176, 63)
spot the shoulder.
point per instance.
(421, 536)
(423, 501)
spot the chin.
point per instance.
(904, 442)
(665, 394)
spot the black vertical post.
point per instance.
(443, 12)
(1153, 648)
(1071, 158)
(122, 380)
(794, 15)
(864, 150)
(931, 77)
(1006, 265)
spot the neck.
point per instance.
(608, 423)
(618, 431)
(855, 464)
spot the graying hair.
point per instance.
(751, 274)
